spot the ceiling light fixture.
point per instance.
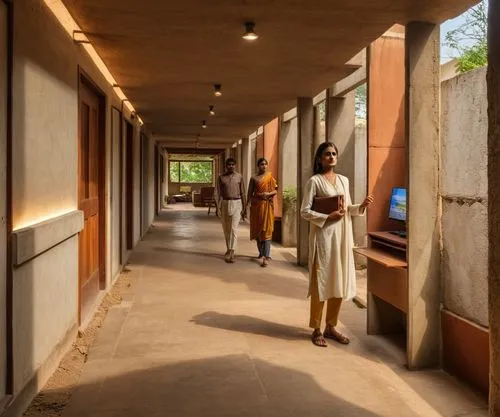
(211, 110)
(250, 35)
(204, 124)
(217, 90)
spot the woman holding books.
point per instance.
(327, 206)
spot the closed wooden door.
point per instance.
(89, 200)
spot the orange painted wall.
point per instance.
(386, 126)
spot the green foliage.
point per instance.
(473, 57)
(174, 171)
(191, 172)
(469, 40)
(360, 102)
(289, 197)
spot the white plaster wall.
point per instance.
(3, 192)
(45, 182)
(464, 188)
(45, 307)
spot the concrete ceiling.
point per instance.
(166, 55)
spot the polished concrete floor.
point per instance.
(195, 336)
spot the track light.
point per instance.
(250, 35)
(211, 110)
(204, 124)
(217, 90)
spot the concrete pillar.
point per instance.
(271, 153)
(422, 144)
(227, 154)
(305, 120)
(318, 136)
(340, 129)
(246, 168)
(239, 159)
(494, 202)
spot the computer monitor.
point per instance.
(397, 208)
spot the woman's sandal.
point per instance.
(335, 335)
(318, 339)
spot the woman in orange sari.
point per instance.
(261, 192)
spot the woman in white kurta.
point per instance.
(331, 260)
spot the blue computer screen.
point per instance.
(397, 210)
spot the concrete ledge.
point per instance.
(23, 399)
(465, 350)
(31, 241)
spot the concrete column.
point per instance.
(246, 168)
(271, 153)
(422, 144)
(239, 159)
(494, 202)
(305, 120)
(340, 129)
(227, 154)
(318, 137)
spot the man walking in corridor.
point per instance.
(230, 202)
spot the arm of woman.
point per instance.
(314, 217)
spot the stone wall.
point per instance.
(464, 196)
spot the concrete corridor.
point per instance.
(195, 336)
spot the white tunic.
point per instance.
(331, 242)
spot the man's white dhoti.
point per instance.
(230, 218)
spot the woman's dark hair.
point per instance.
(262, 160)
(318, 166)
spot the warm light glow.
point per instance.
(68, 23)
(217, 90)
(250, 35)
(211, 110)
(42, 218)
(204, 124)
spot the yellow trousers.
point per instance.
(332, 309)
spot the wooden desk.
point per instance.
(387, 282)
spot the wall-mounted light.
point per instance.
(211, 110)
(250, 34)
(217, 90)
(204, 124)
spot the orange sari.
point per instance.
(262, 211)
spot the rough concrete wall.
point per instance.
(3, 193)
(116, 193)
(150, 170)
(288, 146)
(360, 184)
(464, 191)
(494, 201)
(45, 180)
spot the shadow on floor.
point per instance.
(226, 386)
(252, 325)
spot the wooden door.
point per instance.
(90, 241)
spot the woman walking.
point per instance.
(332, 274)
(261, 192)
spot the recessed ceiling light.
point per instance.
(204, 124)
(211, 110)
(250, 34)
(217, 90)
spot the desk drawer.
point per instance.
(389, 284)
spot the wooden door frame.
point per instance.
(86, 80)
(129, 184)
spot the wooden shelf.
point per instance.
(382, 257)
(390, 238)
